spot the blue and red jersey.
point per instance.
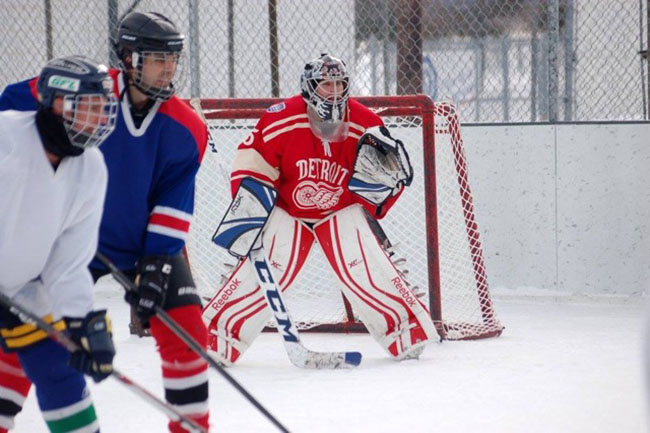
(151, 174)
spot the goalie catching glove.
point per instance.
(93, 333)
(382, 167)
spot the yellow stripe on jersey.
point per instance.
(26, 334)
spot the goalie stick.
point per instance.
(64, 340)
(195, 103)
(240, 232)
(299, 355)
(128, 285)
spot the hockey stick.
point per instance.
(299, 355)
(129, 285)
(64, 340)
(195, 103)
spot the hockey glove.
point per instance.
(93, 333)
(382, 167)
(152, 281)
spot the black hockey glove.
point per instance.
(153, 281)
(93, 333)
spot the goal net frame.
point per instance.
(428, 112)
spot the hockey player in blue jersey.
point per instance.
(152, 158)
(53, 181)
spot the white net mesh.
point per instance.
(315, 298)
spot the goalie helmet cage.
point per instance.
(433, 223)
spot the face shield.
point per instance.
(158, 74)
(325, 89)
(89, 118)
(327, 111)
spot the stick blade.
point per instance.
(303, 358)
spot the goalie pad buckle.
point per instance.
(382, 167)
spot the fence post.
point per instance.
(48, 30)
(568, 60)
(195, 52)
(478, 76)
(112, 32)
(273, 48)
(409, 47)
(231, 49)
(534, 54)
(505, 70)
(553, 23)
(386, 37)
(372, 46)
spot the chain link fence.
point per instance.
(499, 60)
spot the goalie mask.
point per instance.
(150, 49)
(87, 107)
(325, 88)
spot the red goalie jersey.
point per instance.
(310, 174)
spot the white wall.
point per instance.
(563, 206)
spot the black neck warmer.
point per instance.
(53, 134)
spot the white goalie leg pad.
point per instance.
(394, 316)
(237, 313)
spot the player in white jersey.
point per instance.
(336, 169)
(53, 183)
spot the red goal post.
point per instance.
(434, 218)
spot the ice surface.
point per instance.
(562, 365)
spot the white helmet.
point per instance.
(329, 106)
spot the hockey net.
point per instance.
(432, 226)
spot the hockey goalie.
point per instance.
(333, 164)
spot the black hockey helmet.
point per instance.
(147, 31)
(89, 108)
(150, 33)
